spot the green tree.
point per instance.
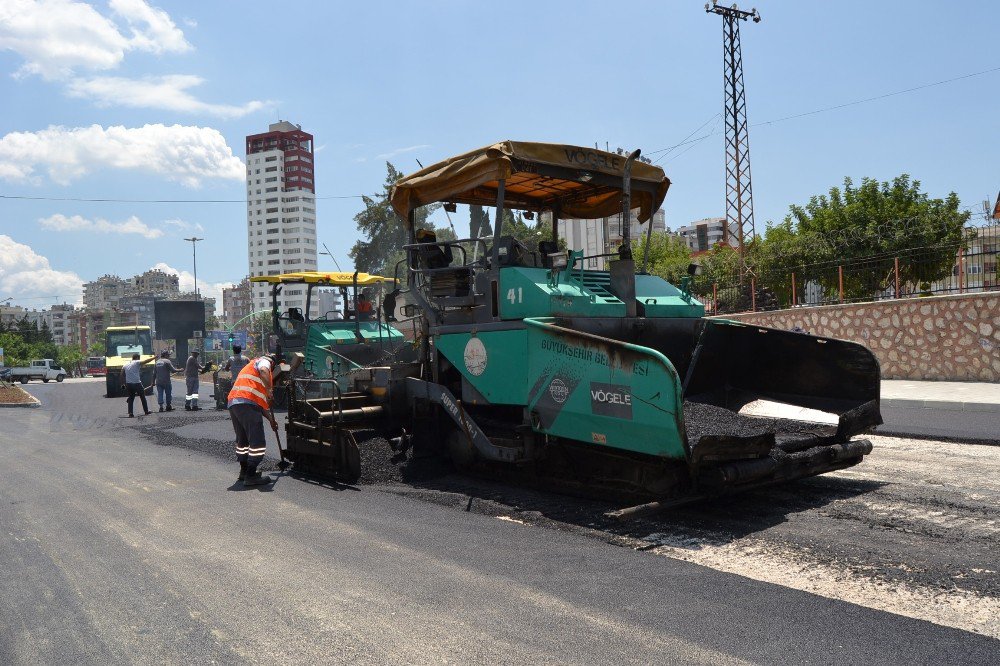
(71, 358)
(669, 256)
(479, 222)
(528, 232)
(874, 221)
(99, 346)
(15, 349)
(383, 231)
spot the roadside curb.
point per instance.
(955, 406)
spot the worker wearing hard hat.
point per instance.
(249, 402)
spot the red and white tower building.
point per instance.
(281, 210)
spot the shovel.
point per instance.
(284, 464)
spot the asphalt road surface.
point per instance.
(127, 541)
(941, 423)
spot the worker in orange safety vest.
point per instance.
(249, 402)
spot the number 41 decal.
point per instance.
(516, 295)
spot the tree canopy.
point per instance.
(874, 222)
(669, 256)
(384, 235)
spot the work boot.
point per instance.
(243, 472)
(161, 409)
(196, 408)
(257, 479)
(169, 408)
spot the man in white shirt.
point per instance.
(132, 378)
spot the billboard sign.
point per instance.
(219, 340)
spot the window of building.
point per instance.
(272, 210)
(271, 179)
(271, 231)
(271, 158)
(271, 189)
(273, 251)
(272, 220)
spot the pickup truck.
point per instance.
(44, 369)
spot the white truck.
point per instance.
(44, 369)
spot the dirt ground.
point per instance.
(13, 395)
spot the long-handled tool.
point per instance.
(284, 464)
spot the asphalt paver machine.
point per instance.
(608, 382)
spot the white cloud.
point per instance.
(400, 151)
(57, 37)
(156, 92)
(185, 226)
(185, 281)
(152, 28)
(133, 225)
(25, 274)
(182, 153)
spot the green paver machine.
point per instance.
(347, 333)
(610, 382)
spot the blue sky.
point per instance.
(134, 100)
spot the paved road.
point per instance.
(981, 426)
(120, 548)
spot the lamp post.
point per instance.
(194, 253)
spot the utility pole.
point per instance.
(739, 190)
(194, 253)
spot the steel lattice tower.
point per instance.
(739, 187)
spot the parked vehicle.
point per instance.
(44, 369)
(96, 367)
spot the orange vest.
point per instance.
(250, 386)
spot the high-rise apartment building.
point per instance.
(601, 236)
(236, 302)
(281, 210)
(703, 235)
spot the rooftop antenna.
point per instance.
(739, 189)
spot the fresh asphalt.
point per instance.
(119, 549)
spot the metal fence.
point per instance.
(916, 272)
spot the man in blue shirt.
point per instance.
(132, 378)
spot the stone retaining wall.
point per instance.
(945, 338)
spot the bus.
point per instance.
(96, 367)
(120, 343)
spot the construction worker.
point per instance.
(162, 372)
(191, 371)
(237, 361)
(249, 402)
(364, 306)
(132, 379)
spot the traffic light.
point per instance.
(230, 338)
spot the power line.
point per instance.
(193, 201)
(878, 97)
(833, 108)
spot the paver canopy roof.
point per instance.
(341, 279)
(583, 182)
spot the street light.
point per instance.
(194, 252)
